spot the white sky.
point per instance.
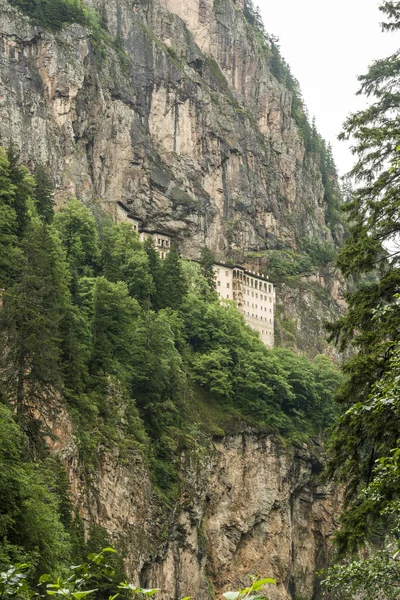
(327, 44)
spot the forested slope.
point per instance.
(138, 351)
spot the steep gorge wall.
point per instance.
(187, 125)
(191, 130)
(246, 505)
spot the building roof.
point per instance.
(246, 271)
(157, 231)
(130, 214)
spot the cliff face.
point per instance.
(180, 119)
(246, 505)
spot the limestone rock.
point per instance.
(186, 124)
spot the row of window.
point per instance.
(265, 298)
(256, 316)
(261, 296)
(250, 281)
(256, 306)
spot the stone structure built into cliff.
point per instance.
(254, 297)
(120, 213)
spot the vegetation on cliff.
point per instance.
(365, 452)
(134, 347)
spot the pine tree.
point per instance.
(123, 258)
(23, 184)
(207, 262)
(114, 315)
(78, 232)
(32, 311)
(173, 284)
(156, 273)
(371, 259)
(44, 194)
(9, 251)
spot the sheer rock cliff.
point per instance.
(180, 118)
(246, 505)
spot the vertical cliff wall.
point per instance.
(246, 505)
(178, 115)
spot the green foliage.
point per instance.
(31, 528)
(54, 14)
(370, 328)
(286, 263)
(375, 577)
(320, 253)
(23, 184)
(139, 350)
(97, 570)
(44, 194)
(172, 286)
(364, 447)
(233, 365)
(124, 259)
(32, 311)
(9, 251)
(207, 262)
(255, 591)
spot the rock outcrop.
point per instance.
(246, 505)
(176, 114)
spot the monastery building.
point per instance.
(254, 296)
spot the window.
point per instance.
(252, 294)
(226, 273)
(227, 285)
(227, 296)
(218, 282)
(269, 289)
(252, 283)
(256, 295)
(270, 310)
(255, 284)
(248, 293)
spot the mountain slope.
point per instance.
(176, 110)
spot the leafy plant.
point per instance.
(252, 592)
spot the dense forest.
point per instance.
(142, 357)
(139, 350)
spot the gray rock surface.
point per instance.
(186, 124)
